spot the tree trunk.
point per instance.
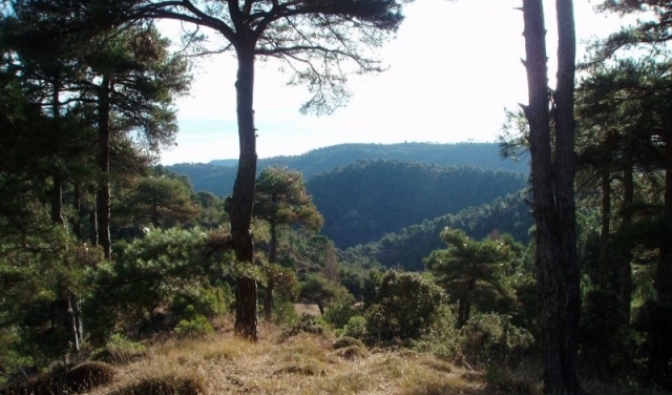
(93, 218)
(625, 246)
(57, 175)
(243, 194)
(272, 258)
(103, 200)
(553, 189)
(605, 255)
(664, 271)
(77, 205)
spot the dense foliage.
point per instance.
(363, 201)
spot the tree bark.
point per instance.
(553, 189)
(57, 175)
(243, 194)
(625, 247)
(103, 200)
(605, 255)
(664, 271)
(93, 218)
(272, 258)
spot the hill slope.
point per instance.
(408, 247)
(218, 175)
(364, 201)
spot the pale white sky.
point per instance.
(454, 67)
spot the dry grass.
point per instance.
(305, 364)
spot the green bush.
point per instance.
(195, 327)
(208, 302)
(405, 307)
(492, 337)
(284, 312)
(340, 312)
(356, 327)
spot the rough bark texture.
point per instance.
(553, 188)
(605, 255)
(93, 219)
(664, 271)
(243, 193)
(103, 199)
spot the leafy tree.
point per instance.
(281, 199)
(315, 39)
(553, 190)
(471, 272)
(160, 202)
(321, 291)
(405, 307)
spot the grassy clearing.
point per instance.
(309, 364)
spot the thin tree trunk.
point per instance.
(93, 218)
(77, 205)
(103, 200)
(625, 256)
(553, 188)
(57, 175)
(272, 258)
(243, 194)
(605, 255)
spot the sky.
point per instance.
(454, 67)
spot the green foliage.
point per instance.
(492, 337)
(159, 202)
(405, 307)
(208, 302)
(606, 342)
(321, 291)
(196, 326)
(342, 311)
(218, 175)
(151, 272)
(356, 327)
(473, 273)
(364, 201)
(409, 246)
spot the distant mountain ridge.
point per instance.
(218, 176)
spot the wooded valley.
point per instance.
(411, 268)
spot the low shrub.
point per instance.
(166, 385)
(198, 326)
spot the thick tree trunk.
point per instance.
(664, 271)
(553, 188)
(605, 255)
(243, 194)
(103, 199)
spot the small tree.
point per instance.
(471, 272)
(281, 199)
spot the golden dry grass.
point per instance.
(305, 364)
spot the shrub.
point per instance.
(406, 306)
(167, 385)
(346, 341)
(492, 336)
(307, 324)
(340, 312)
(356, 327)
(196, 327)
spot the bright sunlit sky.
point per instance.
(453, 68)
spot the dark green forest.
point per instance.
(218, 176)
(547, 282)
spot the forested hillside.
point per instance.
(362, 202)
(218, 175)
(407, 248)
